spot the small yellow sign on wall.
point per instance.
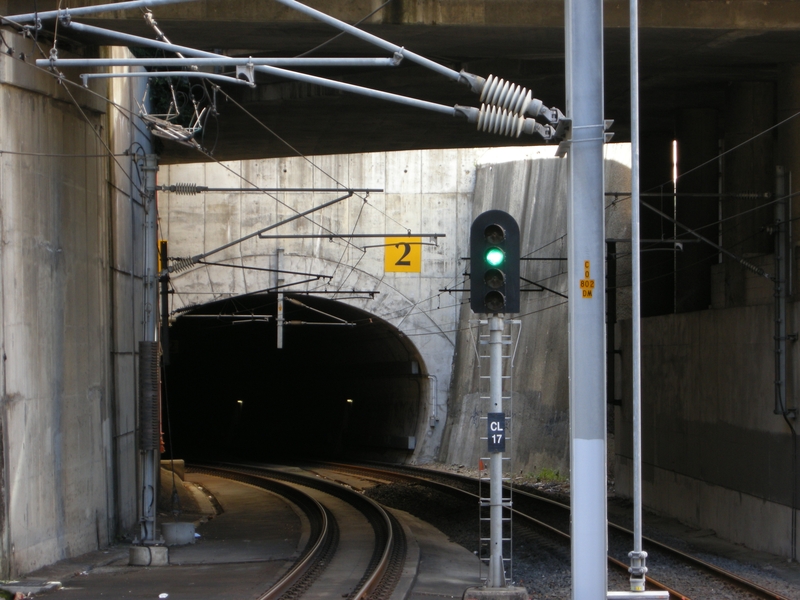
(403, 255)
(587, 283)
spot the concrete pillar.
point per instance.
(750, 168)
(788, 134)
(788, 156)
(656, 176)
(698, 143)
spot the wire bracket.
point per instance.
(247, 72)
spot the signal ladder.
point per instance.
(510, 341)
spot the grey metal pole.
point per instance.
(85, 77)
(584, 49)
(638, 556)
(91, 10)
(150, 248)
(275, 71)
(151, 457)
(372, 39)
(222, 61)
(497, 576)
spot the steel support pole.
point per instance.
(638, 556)
(497, 576)
(584, 50)
(150, 458)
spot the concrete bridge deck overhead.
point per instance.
(691, 52)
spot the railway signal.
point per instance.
(494, 263)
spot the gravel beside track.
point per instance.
(541, 563)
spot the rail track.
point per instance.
(329, 506)
(682, 575)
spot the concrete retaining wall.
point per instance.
(534, 192)
(58, 408)
(714, 453)
(424, 191)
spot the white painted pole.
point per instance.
(584, 49)
(638, 556)
(496, 570)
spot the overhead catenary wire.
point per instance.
(187, 263)
(734, 148)
(109, 153)
(302, 156)
(341, 33)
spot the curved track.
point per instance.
(342, 523)
(553, 517)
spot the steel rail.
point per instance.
(673, 594)
(382, 524)
(745, 584)
(318, 541)
(374, 580)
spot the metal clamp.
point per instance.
(247, 72)
(638, 570)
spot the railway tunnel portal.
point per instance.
(375, 329)
(344, 382)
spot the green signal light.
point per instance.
(495, 257)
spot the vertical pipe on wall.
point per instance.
(780, 291)
(149, 429)
(150, 452)
(150, 249)
(611, 319)
(586, 214)
(781, 336)
(164, 280)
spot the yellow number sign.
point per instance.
(587, 284)
(403, 255)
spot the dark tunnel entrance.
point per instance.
(345, 383)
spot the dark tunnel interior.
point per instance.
(346, 384)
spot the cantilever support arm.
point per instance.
(89, 10)
(488, 118)
(269, 70)
(189, 262)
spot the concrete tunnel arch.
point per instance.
(355, 390)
